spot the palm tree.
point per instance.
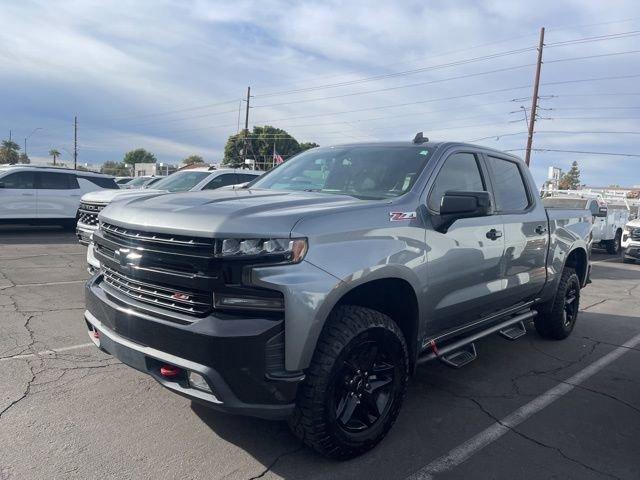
(55, 154)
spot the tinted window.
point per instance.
(103, 182)
(57, 181)
(23, 180)
(460, 172)
(245, 177)
(367, 172)
(222, 181)
(510, 192)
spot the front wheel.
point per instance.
(613, 246)
(557, 317)
(355, 384)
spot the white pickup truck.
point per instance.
(609, 216)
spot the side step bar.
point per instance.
(506, 326)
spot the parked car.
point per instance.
(313, 293)
(46, 195)
(123, 180)
(609, 216)
(195, 179)
(631, 241)
(136, 182)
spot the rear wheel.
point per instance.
(355, 385)
(557, 318)
(613, 246)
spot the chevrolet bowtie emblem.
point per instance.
(126, 258)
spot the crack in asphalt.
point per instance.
(529, 438)
(276, 460)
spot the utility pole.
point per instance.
(9, 135)
(75, 142)
(534, 99)
(246, 127)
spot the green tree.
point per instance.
(571, 179)
(191, 159)
(24, 158)
(55, 154)
(307, 145)
(139, 155)
(261, 143)
(9, 152)
(118, 169)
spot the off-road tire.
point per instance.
(552, 320)
(313, 421)
(613, 246)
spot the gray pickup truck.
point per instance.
(312, 293)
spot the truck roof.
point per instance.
(428, 145)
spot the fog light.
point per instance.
(197, 381)
(252, 303)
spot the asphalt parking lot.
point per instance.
(531, 408)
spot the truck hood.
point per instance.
(108, 195)
(225, 212)
(634, 223)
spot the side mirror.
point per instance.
(456, 205)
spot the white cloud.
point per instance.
(109, 60)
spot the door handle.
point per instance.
(494, 234)
(540, 229)
(27, 194)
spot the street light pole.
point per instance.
(28, 137)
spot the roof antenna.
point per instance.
(420, 138)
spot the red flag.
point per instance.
(277, 159)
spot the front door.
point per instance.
(18, 196)
(464, 263)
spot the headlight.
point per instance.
(291, 250)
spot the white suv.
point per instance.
(46, 195)
(631, 241)
(192, 180)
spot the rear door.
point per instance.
(58, 195)
(18, 195)
(464, 264)
(526, 238)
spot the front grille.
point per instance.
(635, 234)
(88, 213)
(132, 237)
(164, 296)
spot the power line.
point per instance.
(598, 38)
(367, 92)
(613, 54)
(397, 74)
(582, 152)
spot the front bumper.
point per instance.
(83, 232)
(632, 251)
(241, 359)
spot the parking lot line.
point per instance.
(53, 351)
(466, 450)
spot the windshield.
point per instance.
(181, 181)
(137, 181)
(368, 172)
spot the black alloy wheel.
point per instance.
(364, 382)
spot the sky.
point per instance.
(170, 76)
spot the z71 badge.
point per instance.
(400, 216)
